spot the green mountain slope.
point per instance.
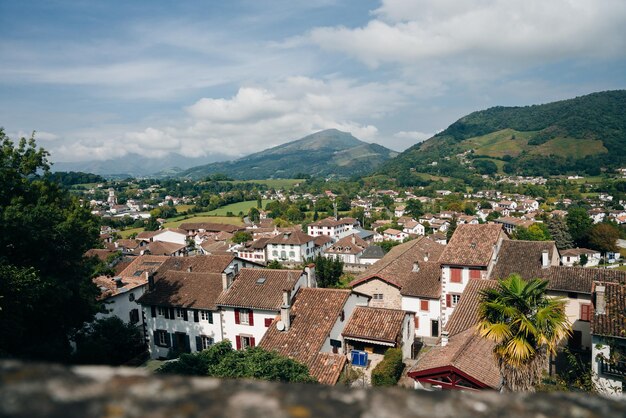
(581, 135)
(322, 153)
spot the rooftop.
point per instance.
(472, 245)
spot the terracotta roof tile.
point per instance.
(134, 275)
(522, 257)
(313, 314)
(377, 324)
(472, 245)
(184, 289)
(426, 282)
(164, 248)
(612, 323)
(292, 237)
(247, 292)
(465, 313)
(396, 267)
(352, 244)
(579, 279)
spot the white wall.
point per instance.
(257, 330)
(353, 301)
(413, 304)
(120, 305)
(605, 385)
(300, 252)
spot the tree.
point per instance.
(603, 237)
(535, 232)
(241, 237)
(414, 208)
(274, 265)
(108, 341)
(254, 215)
(584, 259)
(451, 228)
(220, 360)
(579, 223)
(525, 325)
(327, 271)
(45, 282)
(152, 224)
(560, 233)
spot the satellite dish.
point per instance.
(280, 325)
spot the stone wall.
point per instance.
(36, 390)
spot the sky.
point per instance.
(102, 79)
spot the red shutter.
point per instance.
(449, 301)
(238, 342)
(268, 322)
(237, 317)
(251, 341)
(455, 275)
(423, 305)
(585, 312)
(417, 322)
(474, 274)
(250, 318)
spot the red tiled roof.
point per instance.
(424, 283)
(134, 275)
(465, 315)
(164, 248)
(184, 289)
(295, 237)
(472, 245)
(376, 324)
(611, 323)
(523, 258)
(247, 292)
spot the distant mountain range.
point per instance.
(581, 135)
(329, 152)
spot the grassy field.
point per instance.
(128, 232)
(588, 180)
(235, 208)
(232, 220)
(183, 208)
(571, 147)
(500, 143)
(273, 183)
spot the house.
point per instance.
(421, 295)
(120, 294)
(254, 250)
(250, 303)
(331, 227)
(413, 227)
(469, 255)
(385, 279)
(399, 211)
(180, 302)
(375, 330)
(309, 331)
(510, 224)
(391, 234)
(193, 228)
(171, 249)
(507, 204)
(371, 255)
(348, 249)
(293, 246)
(608, 330)
(572, 256)
(597, 215)
(464, 360)
(172, 235)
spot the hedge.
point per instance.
(388, 371)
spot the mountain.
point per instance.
(320, 154)
(580, 135)
(135, 165)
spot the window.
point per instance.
(131, 297)
(377, 296)
(244, 316)
(206, 342)
(452, 299)
(134, 316)
(423, 305)
(161, 338)
(585, 312)
(275, 253)
(292, 254)
(161, 311)
(455, 275)
(268, 322)
(179, 313)
(206, 316)
(474, 274)
(244, 342)
(283, 255)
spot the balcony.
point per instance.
(617, 369)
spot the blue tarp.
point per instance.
(359, 358)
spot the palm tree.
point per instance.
(525, 325)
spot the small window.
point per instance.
(423, 305)
(245, 342)
(161, 311)
(134, 316)
(244, 316)
(179, 313)
(131, 297)
(292, 254)
(377, 296)
(455, 299)
(206, 316)
(161, 338)
(206, 342)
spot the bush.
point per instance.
(388, 371)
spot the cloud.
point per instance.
(409, 32)
(416, 136)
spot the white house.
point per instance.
(172, 235)
(347, 249)
(331, 227)
(394, 235)
(413, 227)
(254, 250)
(572, 256)
(421, 295)
(293, 246)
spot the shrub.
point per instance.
(388, 371)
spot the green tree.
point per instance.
(327, 271)
(584, 259)
(254, 215)
(241, 237)
(560, 233)
(108, 341)
(152, 224)
(220, 360)
(535, 232)
(274, 265)
(414, 208)
(451, 228)
(526, 326)
(45, 282)
(603, 237)
(579, 223)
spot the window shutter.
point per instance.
(210, 317)
(238, 341)
(250, 318)
(172, 315)
(199, 343)
(585, 312)
(168, 340)
(423, 305)
(174, 342)
(196, 316)
(187, 343)
(474, 274)
(251, 341)
(185, 315)
(237, 317)
(417, 322)
(153, 311)
(155, 337)
(166, 313)
(449, 301)
(455, 275)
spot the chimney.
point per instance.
(118, 282)
(285, 311)
(426, 256)
(600, 300)
(416, 266)
(444, 338)
(545, 263)
(310, 273)
(353, 239)
(225, 281)
(189, 269)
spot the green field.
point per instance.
(183, 208)
(500, 143)
(235, 208)
(232, 220)
(571, 147)
(272, 183)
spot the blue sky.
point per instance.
(101, 79)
